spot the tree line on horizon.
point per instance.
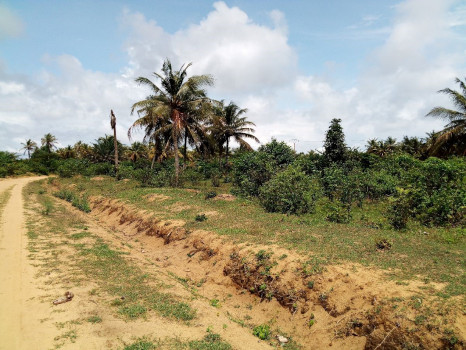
(178, 115)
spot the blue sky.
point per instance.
(294, 64)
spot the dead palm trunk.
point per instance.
(115, 143)
(226, 155)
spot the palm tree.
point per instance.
(454, 132)
(49, 142)
(67, 152)
(137, 151)
(29, 146)
(229, 122)
(156, 133)
(176, 98)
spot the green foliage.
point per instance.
(76, 201)
(280, 154)
(290, 191)
(211, 341)
(210, 194)
(334, 145)
(262, 331)
(200, 217)
(250, 171)
(71, 167)
(141, 344)
(339, 213)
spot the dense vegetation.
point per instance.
(187, 140)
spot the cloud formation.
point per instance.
(256, 67)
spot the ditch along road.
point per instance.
(18, 325)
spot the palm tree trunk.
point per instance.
(185, 158)
(153, 158)
(29, 154)
(115, 145)
(177, 158)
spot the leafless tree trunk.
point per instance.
(115, 142)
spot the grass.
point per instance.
(440, 251)
(211, 341)
(4, 197)
(135, 291)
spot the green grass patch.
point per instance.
(418, 249)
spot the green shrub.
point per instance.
(262, 331)
(399, 210)
(290, 191)
(339, 213)
(200, 217)
(210, 194)
(280, 154)
(250, 171)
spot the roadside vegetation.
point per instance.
(398, 206)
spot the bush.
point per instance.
(262, 331)
(250, 171)
(400, 210)
(290, 191)
(339, 213)
(279, 153)
(79, 202)
(71, 167)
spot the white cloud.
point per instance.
(255, 66)
(11, 25)
(241, 55)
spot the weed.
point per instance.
(94, 319)
(200, 217)
(141, 344)
(211, 194)
(133, 311)
(215, 303)
(310, 284)
(262, 331)
(211, 341)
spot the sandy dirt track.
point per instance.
(17, 328)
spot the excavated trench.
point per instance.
(318, 307)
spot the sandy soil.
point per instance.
(19, 328)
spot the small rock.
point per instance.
(282, 339)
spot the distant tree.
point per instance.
(82, 150)
(382, 148)
(229, 122)
(281, 154)
(454, 133)
(115, 141)
(49, 142)
(103, 149)
(67, 152)
(29, 146)
(137, 151)
(412, 145)
(334, 145)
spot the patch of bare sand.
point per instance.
(224, 197)
(156, 197)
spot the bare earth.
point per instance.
(19, 326)
(29, 320)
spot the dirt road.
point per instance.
(15, 272)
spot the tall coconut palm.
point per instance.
(49, 142)
(454, 132)
(228, 123)
(176, 97)
(29, 146)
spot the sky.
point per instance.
(294, 64)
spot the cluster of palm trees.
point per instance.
(48, 142)
(179, 110)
